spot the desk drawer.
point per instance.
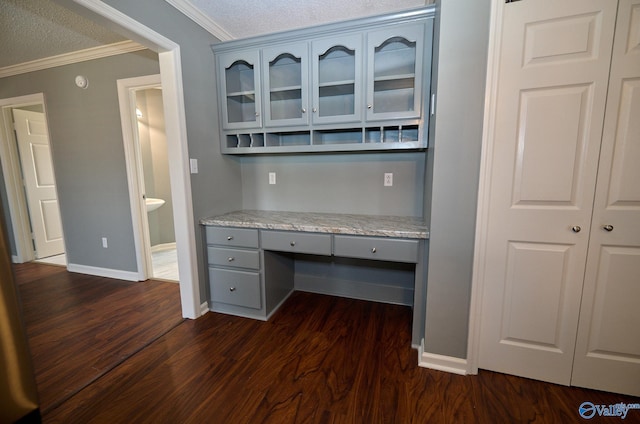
(237, 258)
(383, 249)
(235, 287)
(228, 236)
(291, 241)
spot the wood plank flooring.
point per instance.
(320, 359)
(80, 327)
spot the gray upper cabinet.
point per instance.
(286, 84)
(350, 86)
(394, 72)
(337, 79)
(239, 80)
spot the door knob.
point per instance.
(293, 243)
(576, 228)
(608, 227)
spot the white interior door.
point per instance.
(553, 74)
(608, 347)
(39, 180)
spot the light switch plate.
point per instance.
(272, 177)
(193, 163)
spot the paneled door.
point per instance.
(39, 180)
(553, 75)
(608, 346)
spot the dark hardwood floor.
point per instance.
(80, 327)
(320, 359)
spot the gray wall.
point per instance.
(341, 183)
(454, 162)
(217, 186)
(92, 175)
(88, 154)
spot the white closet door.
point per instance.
(608, 347)
(553, 74)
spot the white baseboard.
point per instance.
(441, 362)
(14, 259)
(103, 272)
(204, 308)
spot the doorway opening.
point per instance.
(146, 152)
(27, 167)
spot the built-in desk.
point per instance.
(257, 258)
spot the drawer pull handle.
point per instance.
(293, 243)
(231, 259)
(608, 227)
(229, 238)
(373, 250)
(232, 289)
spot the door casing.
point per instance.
(126, 98)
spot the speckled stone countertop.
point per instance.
(365, 225)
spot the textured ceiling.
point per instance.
(36, 29)
(244, 18)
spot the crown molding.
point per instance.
(197, 16)
(70, 58)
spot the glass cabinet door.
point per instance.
(240, 80)
(286, 81)
(394, 72)
(337, 79)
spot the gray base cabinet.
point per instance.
(253, 271)
(243, 279)
(350, 86)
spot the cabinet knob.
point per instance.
(314, 110)
(257, 113)
(576, 228)
(373, 250)
(608, 227)
(304, 110)
(231, 259)
(369, 106)
(293, 243)
(229, 238)
(232, 289)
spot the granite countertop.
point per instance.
(367, 225)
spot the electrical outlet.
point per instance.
(104, 242)
(388, 179)
(272, 177)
